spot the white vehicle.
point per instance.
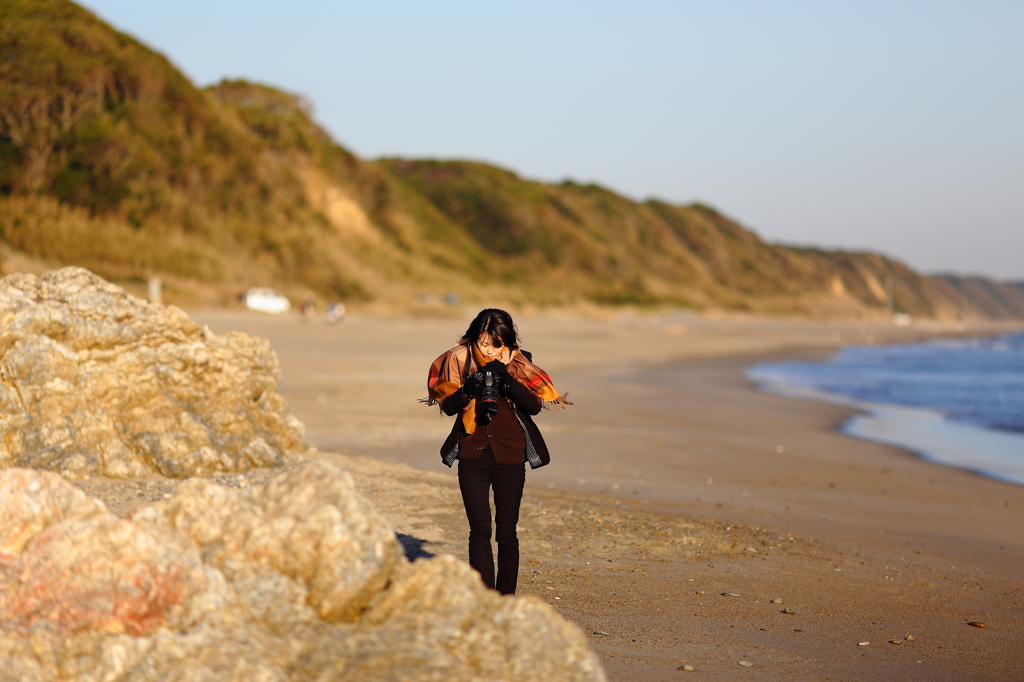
(902, 319)
(266, 300)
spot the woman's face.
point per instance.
(489, 347)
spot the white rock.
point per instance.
(95, 381)
(300, 579)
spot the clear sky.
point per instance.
(884, 125)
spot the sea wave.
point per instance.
(957, 402)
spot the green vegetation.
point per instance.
(608, 249)
(111, 159)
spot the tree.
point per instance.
(36, 121)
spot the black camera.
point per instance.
(487, 402)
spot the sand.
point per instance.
(675, 484)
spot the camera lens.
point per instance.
(488, 397)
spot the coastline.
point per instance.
(921, 548)
(923, 432)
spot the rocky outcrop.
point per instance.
(297, 579)
(300, 579)
(95, 381)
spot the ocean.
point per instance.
(957, 402)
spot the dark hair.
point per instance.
(498, 324)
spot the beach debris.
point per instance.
(750, 549)
(700, 592)
(787, 610)
(863, 643)
(687, 667)
(98, 382)
(731, 594)
(602, 633)
(976, 624)
(746, 664)
(909, 638)
(300, 575)
(776, 601)
(895, 641)
(797, 630)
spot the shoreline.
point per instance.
(666, 471)
(922, 430)
(907, 536)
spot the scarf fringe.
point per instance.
(559, 403)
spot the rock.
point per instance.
(910, 638)
(95, 381)
(309, 525)
(787, 611)
(438, 602)
(863, 643)
(750, 549)
(300, 579)
(601, 632)
(895, 641)
(746, 664)
(687, 667)
(976, 624)
(776, 601)
(31, 501)
(730, 594)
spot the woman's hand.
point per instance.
(496, 366)
(472, 386)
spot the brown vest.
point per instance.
(503, 435)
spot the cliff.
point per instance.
(111, 159)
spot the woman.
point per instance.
(492, 439)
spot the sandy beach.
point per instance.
(681, 504)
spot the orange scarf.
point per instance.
(451, 368)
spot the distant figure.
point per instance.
(335, 313)
(156, 291)
(308, 306)
(496, 390)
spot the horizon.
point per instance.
(885, 129)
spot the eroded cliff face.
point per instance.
(95, 381)
(300, 579)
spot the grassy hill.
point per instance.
(609, 249)
(111, 159)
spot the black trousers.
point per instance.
(476, 478)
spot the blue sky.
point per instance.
(890, 126)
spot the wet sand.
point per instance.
(673, 482)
